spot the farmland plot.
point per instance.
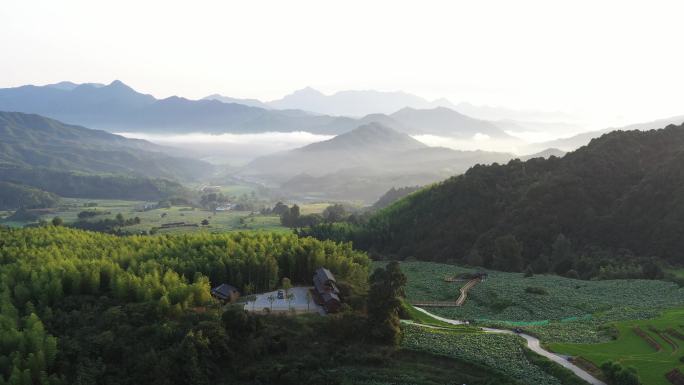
(502, 296)
(501, 352)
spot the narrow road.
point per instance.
(534, 345)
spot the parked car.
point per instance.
(281, 294)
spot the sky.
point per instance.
(612, 62)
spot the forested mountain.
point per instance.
(371, 146)
(94, 186)
(13, 196)
(28, 140)
(616, 199)
(363, 164)
(392, 195)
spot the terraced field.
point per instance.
(631, 349)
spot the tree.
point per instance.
(652, 270)
(507, 253)
(290, 297)
(290, 218)
(309, 298)
(387, 286)
(286, 285)
(334, 213)
(561, 248)
(529, 272)
(619, 375)
(541, 264)
(280, 208)
(474, 258)
(57, 221)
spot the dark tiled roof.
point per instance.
(223, 290)
(330, 296)
(325, 274)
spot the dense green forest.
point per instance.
(94, 186)
(88, 308)
(392, 195)
(602, 211)
(13, 196)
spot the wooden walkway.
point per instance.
(464, 291)
(459, 302)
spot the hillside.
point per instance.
(615, 199)
(446, 122)
(28, 140)
(576, 141)
(13, 196)
(362, 164)
(95, 186)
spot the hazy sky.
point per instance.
(616, 59)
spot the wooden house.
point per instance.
(225, 293)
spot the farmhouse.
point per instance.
(225, 292)
(325, 290)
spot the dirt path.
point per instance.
(533, 344)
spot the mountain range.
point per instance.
(117, 107)
(354, 103)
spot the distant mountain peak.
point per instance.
(119, 85)
(370, 135)
(307, 92)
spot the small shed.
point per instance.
(225, 293)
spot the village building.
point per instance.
(225, 293)
(326, 293)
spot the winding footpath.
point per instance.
(534, 345)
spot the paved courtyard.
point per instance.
(297, 304)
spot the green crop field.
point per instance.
(592, 319)
(502, 352)
(218, 222)
(502, 296)
(631, 350)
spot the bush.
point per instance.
(536, 290)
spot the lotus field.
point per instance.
(502, 296)
(502, 352)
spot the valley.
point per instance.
(341, 193)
